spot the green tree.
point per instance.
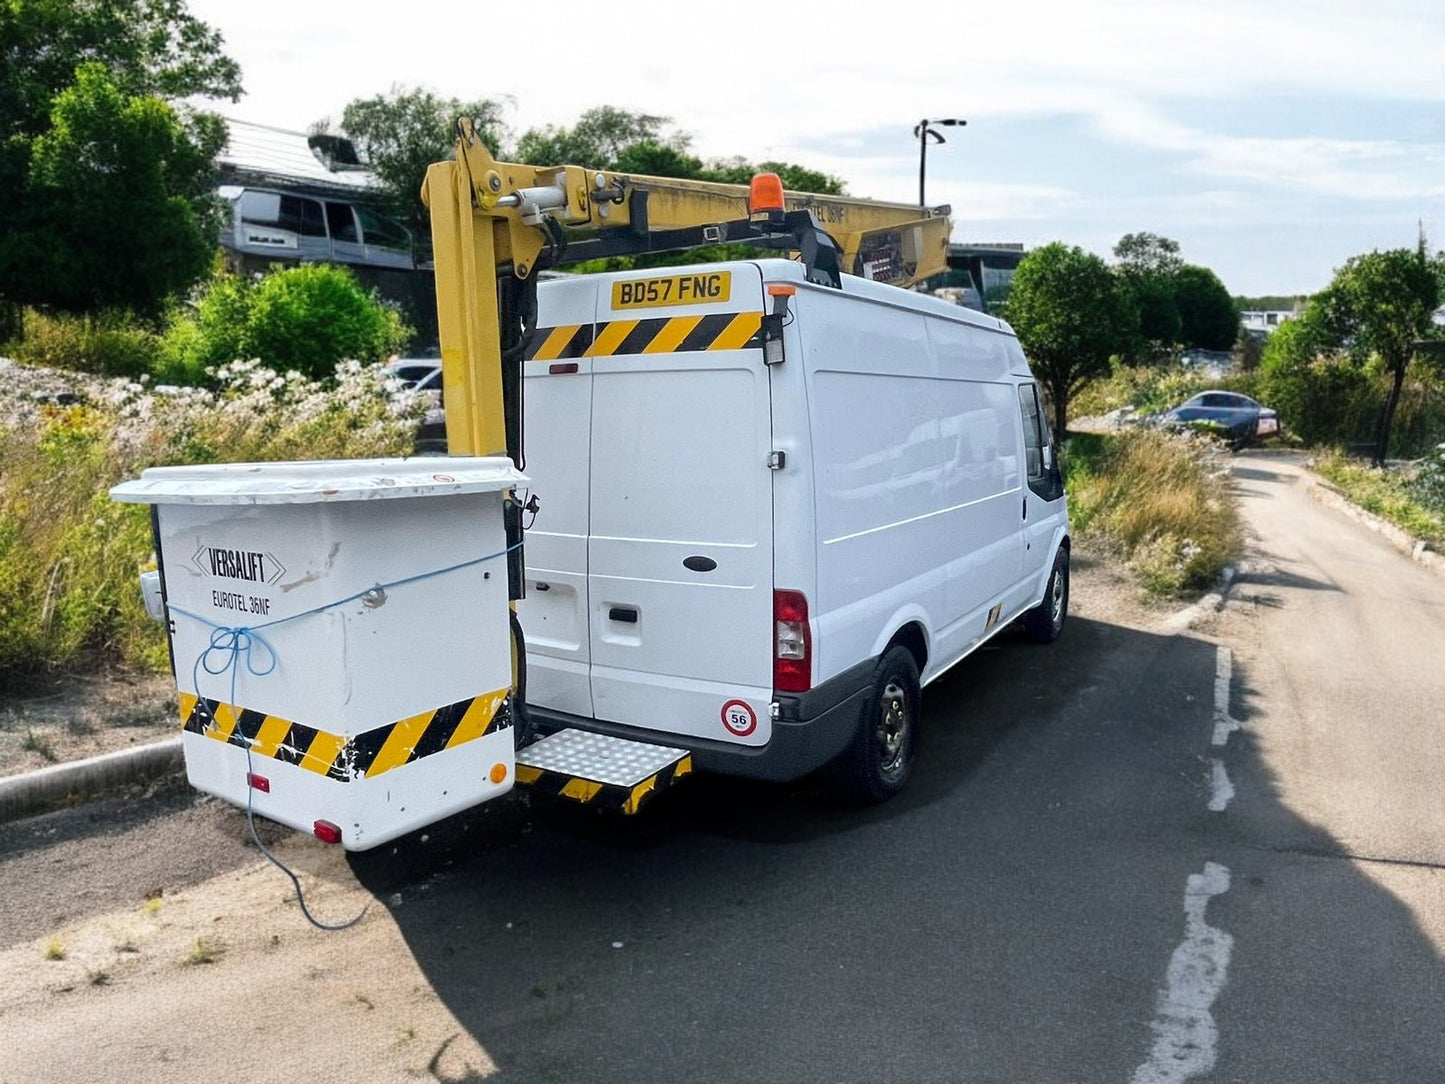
(400, 133)
(150, 48)
(118, 209)
(598, 139)
(1207, 315)
(1380, 304)
(1147, 265)
(1071, 314)
(141, 50)
(1145, 254)
(1323, 397)
(610, 138)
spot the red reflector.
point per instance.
(327, 832)
(258, 782)
(792, 643)
(562, 367)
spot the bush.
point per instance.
(305, 318)
(69, 555)
(1325, 400)
(1160, 499)
(1428, 486)
(111, 344)
(1404, 497)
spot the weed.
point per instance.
(153, 905)
(38, 743)
(1393, 495)
(1161, 499)
(55, 949)
(69, 555)
(204, 951)
(81, 725)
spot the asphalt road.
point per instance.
(1129, 857)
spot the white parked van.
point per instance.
(771, 511)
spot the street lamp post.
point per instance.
(926, 130)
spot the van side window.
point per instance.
(342, 222)
(295, 214)
(1044, 478)
(1033, 432)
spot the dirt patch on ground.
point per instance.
(83, 715)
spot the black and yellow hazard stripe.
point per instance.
(363, 756)
(603, 795)
(666, 335)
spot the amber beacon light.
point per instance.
(765, 194)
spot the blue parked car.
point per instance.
(1235, 416)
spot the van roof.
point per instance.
(777, 269)
(780, 270)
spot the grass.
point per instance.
(1390, 494)
(38, 743)
(1159, 499)
(55, 949)
(70, 556)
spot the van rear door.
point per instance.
(557, 414)
(680, 557)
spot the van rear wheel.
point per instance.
(877, 763)
(1046, 620)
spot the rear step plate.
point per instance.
(612, 773)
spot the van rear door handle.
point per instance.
(625, 614)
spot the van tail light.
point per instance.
(792, 643)
(327, 832)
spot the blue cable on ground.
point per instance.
(235, 643)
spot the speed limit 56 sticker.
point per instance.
(739, 718)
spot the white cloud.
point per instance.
(781, 83)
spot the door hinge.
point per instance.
(777, 460)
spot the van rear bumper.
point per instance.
(811, 729)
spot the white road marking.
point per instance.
(1224, 723)
(1221, 790)
(1184, 1031)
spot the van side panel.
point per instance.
(916, 444)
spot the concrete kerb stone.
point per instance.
(1211, 603)
(33, 792)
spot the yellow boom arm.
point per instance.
(495, 224)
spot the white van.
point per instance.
(771, 511)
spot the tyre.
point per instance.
(1046, 620)
(877, 763)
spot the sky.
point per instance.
(1273, 139)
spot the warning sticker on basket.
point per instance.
(739, 718)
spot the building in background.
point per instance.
(1263, 322)
(297, 198)
(979, 274)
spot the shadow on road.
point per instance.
(1009, 917)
